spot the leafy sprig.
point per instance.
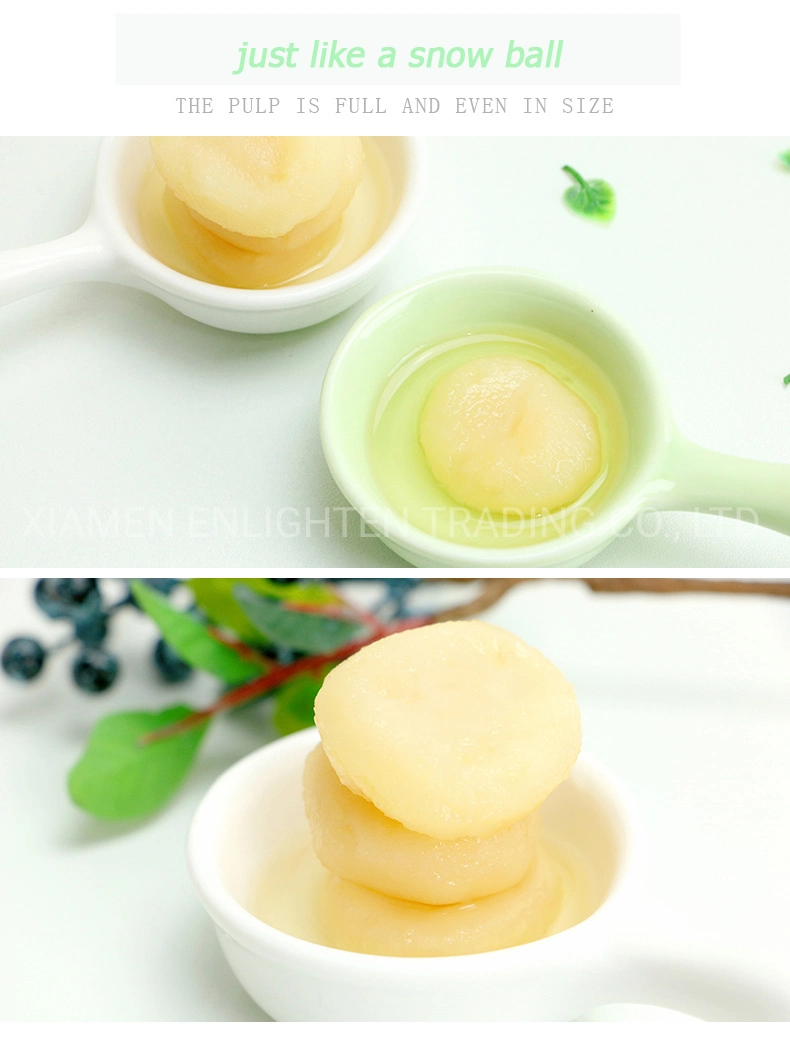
(302, 630)
(192, 640)
(239, 631)
(591, 199)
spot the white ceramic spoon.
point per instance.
(109, 247)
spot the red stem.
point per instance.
(342, 609)
(277, 677)
(247, 652)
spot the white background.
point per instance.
(685, 697)
(118, 412)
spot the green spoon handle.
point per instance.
(721, 484)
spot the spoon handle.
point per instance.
(81, 256)
(701, 480)
(686, 976)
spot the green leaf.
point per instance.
(192, 641)
(311, 633)
(785, 158)
(214, 596)
(594, 199)
(787, 379)
(316, 595)
(118, 778)
(294, 704)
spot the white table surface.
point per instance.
(687, 698)
(129, 434)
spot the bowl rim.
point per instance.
(617, 512)
(141, 262)
(265, 941)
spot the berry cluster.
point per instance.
(81, 602)
(94, 669)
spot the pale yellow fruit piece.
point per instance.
(261, 187)
(361, 920)
(455, 729)
(357, 842)
(305, 231)
(502, 433)
(224, 263)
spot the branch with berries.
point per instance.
(262, 638)
(81, 603)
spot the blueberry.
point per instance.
(94, 670)
(23, 658)
(171, 668)
(67, 596)
(91, 630)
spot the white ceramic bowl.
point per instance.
(109, 247)
(254, 811)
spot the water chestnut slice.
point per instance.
(357, 842)
(230, 266)
(261, 186)
(361, 920)
(455, 730)
(503, 433)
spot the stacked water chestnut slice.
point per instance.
(256, 211)
(439, 745)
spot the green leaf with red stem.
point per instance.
(214, 596)
(279, 676)
(313, 633)
(192, 641)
